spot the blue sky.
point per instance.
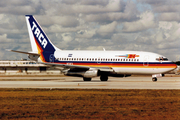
(141, 25)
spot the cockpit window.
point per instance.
(162, 59)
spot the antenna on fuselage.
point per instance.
(104, 49)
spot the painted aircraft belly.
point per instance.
(141, 70)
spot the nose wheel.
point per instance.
(154, 79)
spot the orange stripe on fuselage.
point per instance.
(40, 51)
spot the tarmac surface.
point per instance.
(78, 83)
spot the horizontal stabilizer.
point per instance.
(30, 53)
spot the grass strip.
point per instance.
(89, 104)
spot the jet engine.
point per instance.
(81, 73)
(90, 74)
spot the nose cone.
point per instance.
(173, 65)
(169, 66)
(174, 68)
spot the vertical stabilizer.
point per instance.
(40, 43)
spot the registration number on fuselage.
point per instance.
(69, 63)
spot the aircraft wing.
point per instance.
(65, 66)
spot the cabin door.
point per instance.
(146, 61)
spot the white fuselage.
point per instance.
(122, 62)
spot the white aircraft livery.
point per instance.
(89, 64)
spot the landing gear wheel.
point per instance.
(104, 78)
(154, 79)
(86, 79)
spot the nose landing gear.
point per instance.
(155, 76)
(154, 79)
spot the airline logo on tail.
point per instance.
(39, 35)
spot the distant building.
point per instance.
(25, 67)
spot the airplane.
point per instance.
(89, 64)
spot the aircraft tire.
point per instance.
(154, 79)
(104, 78)
(86, 79)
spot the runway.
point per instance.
(78, 83)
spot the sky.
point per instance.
(135, 25)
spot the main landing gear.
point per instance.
(102, 78)
(86, 79)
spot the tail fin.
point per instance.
(40, 43)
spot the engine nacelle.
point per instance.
(86, 74)
(90, 74)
